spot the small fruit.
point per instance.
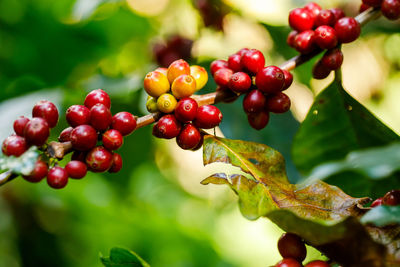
(317, 263)
(217, 65)
(112, 139)
(19, 125)
(254, 102)
(270, 79)
(239, 82)
(156, 83)
(97, 96)
(305, 42)
(200, 75)
(14, 145)
(183, 86)
(151, 105)
(124, 122)
(234, 62)
(278, 103)
(223, 76)
(208, 117)
(338, 13)
(291, 246)
(57, 178)
(65, 135)
(363, 7)
(258, 120)
(288, 262)
(301, 19)
(391, 198)
(116, 165)
(373, 3)
(77, 115)
(167, 127)
(76, 169)
(290, 39)
(325, 17)
(166, 103)
(377, 202)
(37, 131)
(333, 59)
(325, 37)
(176, 69)
(79, 155)
(186, 110)
(38, 173)
(319, 71)
(288, 79)
(347, 29)
(83, 138)
(391, 9)
(99, 159)
(46, 110)
(313, 8)
(189, 137)
(253, 61)
(100, 117)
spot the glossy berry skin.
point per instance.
(291, 246)
(325, 37)
(239, 82)
(176, 69)
(166, 103)
(112, 139)
(186, 110)
(99, 159)
(325, 17)
(14, 145)
(79, 155)
(183, 86)
(254, 102)
(313, 8)
(156, 83)
(100, 117)
(270, 79)
(83, 138)
(363, 7)
(151, 105)
(124, 122)
(278, 103)
(319, 71)
(291, 37)
(46, 110)
(167, 127)
(347, 30)
(223, 76)
(288, 79)
(391, 9)
(76, 169)
(38, 173)
(259, 120)
(305, 42)
(208, 117)
(333, 59)
(234, 62)
(377, 202)
(252, 61)
(217, 65)
(65, 135)
(77, 115)
(97, 96)
(189, 137)
(338, 13)
(116, 165)
(200, 75)
(391, 198)
(19, 125)
(374, 3)
(288, 262)
(317, 263)
(301, 19)
(37, 131)
(57, 178)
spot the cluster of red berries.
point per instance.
(389, 8)
(175, 47)
(245, 73)
(391, 198)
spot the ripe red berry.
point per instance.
(79, 155)
(234, 62)
(319, 71)
(99, 159)
(325, 37)
(377, 202)
(37, 131)
(291, 246)
(19, 125)
(77, 115)
(290, 39)
(46, 110)
(313, 8)
(374, 3)
(186, 110)
(270, 79)
(301, 19)
(305, 42)
(189, 137)
(317, 263)
(333, 59)
(124, 122)
(100, 117)
(200, 144)
(65, 135)
(338, 13)
(391, 198)
(288, 79)
(57, 178)
(347, 29)
(217, 65)
(258, 120)
(240, 82)
(83, 138)
(363, 7)
(38, 173)
(112, 139)
(116, 165)
(76, 169)
(278, 103)
(253, 61)
(222, 77)
(14, 145)
(167, 127)
(242, 51)
(208, 117)
(325, 17)
(288, 263)
(391, 9)
(254, 102)
(97, 96)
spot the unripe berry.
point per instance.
(391, 198)
(14, 145)
(167, 127)
(116, 165)
(97, 96)
(320, 71)
(46, 110)
(155, 84)
(19, 125)
(304, 42)
(270, 79)
(391, 9)
(253, 61)
(278, 103)
(239, 82)
(313, 8)
(65, 135)
(100, 117)
(291, 39)
(183, 86)
(254, 102)
(57, 178)
(37, 131)
(374, 3)
(301, 19)
(124, 122)
(78, 115)
(234, 62)
(186, 110)
(325, 17)
(112, 139)
(291, 246)
(217, 65)
(38, 173)
(333, 59)
(347, 29)
(288, 79)
(258, 120)
(189, 137)
(288, 263)
(200, 75)
(377, 202)
(76, 169)
(99, 159)
(338, 13)
(83, 138)
(151, 105)
(222, 77)
(176, 69)
(166, 103)
(208, 117)
(79, 156)
(317, 263)
(325, 37)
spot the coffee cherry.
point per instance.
(37, 131)
(288, 263)
(162, 70)
(186, 110)
(14, 145)
(333, 59)
(253, 61)
(76, 169)
(19, 125)
(234, 62)
(363, 7)
(239, 82)
(176, 69)
(57, 178)
(301, 19)
(200, 144)
(270, 79)
(347, 29)
(373, 3)
(317, 263)
(97, 96)
(305, 42)
(320, 71)
(217, 65)
(288, 79)
(38, 173)
(112, 139)
(77, 115)
(79, 156)
(391, 198)
(100, 117)
(151, 105)
(83, 138)
(313, 8)
(377, 202)
(290, 39)
(325, 37)
(391, 9)
(258, 120)
(208, 117)
(338, 13)
(156, 83)
(166, 103)
(183, 86)
(46, 110)
(116, 165)
(124, 122)
(167, 127)
(325, 17)
(223, 76)
(189, 137)
(99, 159)
(291, 246)
(254, 102)
(65, 135)
(278, 103)
(200, 75)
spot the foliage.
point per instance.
(123, 258)
(22, 165)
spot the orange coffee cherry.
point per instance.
(200, 75)
(183, 86)
(176, 69)
(156, 84)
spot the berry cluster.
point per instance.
(175, 47)
(389, 8)
(391, 198)
(245, 73)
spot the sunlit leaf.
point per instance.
(123, 258)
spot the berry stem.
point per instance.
(6, 177)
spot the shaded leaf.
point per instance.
(382, 216)
(123, 258)
(22, 165)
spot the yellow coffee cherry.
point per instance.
(151, 105)
(162, 70)
(176, 69)
(166, 103)
(156, 84)
(200, 75)
(183, 86)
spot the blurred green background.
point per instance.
(60, 50)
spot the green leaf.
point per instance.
(22, 165)
(382, 216)
(123, 258)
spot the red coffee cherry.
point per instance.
(77, 115)
(46, 110)
(76, 169)
(347, 29)
(290, 39)
(291, 246)
(208, 117)
(363, 7)
(242, 51)
(112, 139)
(305, 42)
(318, 263)
(325, 37)
(254, 102)
(124, 122)
(167, 127)
(258, 120)
(217, 65)
(38, 173)
(391, 9)
(313, 8)
(14, 145)
(319, 71)
(99, 159)
(338, 13)
(186, 110)
(37, 131)
(270, 79)
(239, 82)
(288, 263)
(288, 79)
(65, 135)
(234, 62)
(83, 138)
(222, 77)
(189, 137)
(391, 198)
(200, 144)
(278, 103)
(19, 125)
(100, 117)
(377, 202)
(116, 165)
(325, 17)
(301, 19)
(374, 3)
(333, 59)
(253, 61)
(97, 97)
(57, 178)
(79, 155)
